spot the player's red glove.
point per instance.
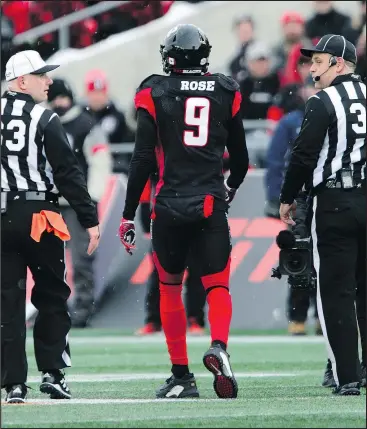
(127, 234)
(230, 192)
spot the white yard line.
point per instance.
(100, 378)
(205, 339)
(85, 401)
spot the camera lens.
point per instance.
(296, 263)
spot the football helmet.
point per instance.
(185, 49)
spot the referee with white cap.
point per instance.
(329, 156)
(37, 165)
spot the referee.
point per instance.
(37, 165)
(330, 156)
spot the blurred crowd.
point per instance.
(20, 16)
(272, 76)
(264, 72)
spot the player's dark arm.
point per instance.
(237, 150)
(306, 149)
(68, 176)
(143, 162)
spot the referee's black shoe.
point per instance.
(16, 394)
(54, 383)
(350, 389)
(328, 380)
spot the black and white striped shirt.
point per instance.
(36, 155)
(345, 142)
(332, 137)
(24, 166)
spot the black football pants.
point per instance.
(207, 241)
(339, 244)
(49, 295)
(195, 297)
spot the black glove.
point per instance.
(230, 193)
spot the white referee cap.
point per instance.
(26, 62)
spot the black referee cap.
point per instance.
(335, 45)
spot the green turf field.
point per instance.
(113, 380)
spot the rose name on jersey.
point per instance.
(194, 85)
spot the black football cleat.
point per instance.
(53, 383)
(328, 380)
(350, 389)
(175, 388)
(216, 360)
(16, 394)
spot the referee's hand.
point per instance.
(93, 239)
(286, 211)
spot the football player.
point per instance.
(186, 119)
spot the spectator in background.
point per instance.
(361, 52)
(354, 30)
(18, 13)
(326, 20)
(244, 29)
(7, 34)
(107, 115)
(293, 101)
(296, 72)
(81, 33)
(260, 84)
(297, 67)
(293, 30)
(280, 146)
(90, 147)
(127, 16)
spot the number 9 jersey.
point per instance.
(195, 117)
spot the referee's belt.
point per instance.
(337, 184)
(31, 196)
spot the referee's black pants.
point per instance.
(339, 247)
(49, 295)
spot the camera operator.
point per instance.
(301, 295)
(330, 153)
(302, 288)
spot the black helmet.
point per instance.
(185, 49)
(59, 87)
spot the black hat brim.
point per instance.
(45, 69)
(309, 52)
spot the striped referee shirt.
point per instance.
(332, 137)
(36, 155)
(24, 166)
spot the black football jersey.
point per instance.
(193, 116)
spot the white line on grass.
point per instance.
(96, 378)
(85, 401)
(205, 339)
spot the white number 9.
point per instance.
(201, 121)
